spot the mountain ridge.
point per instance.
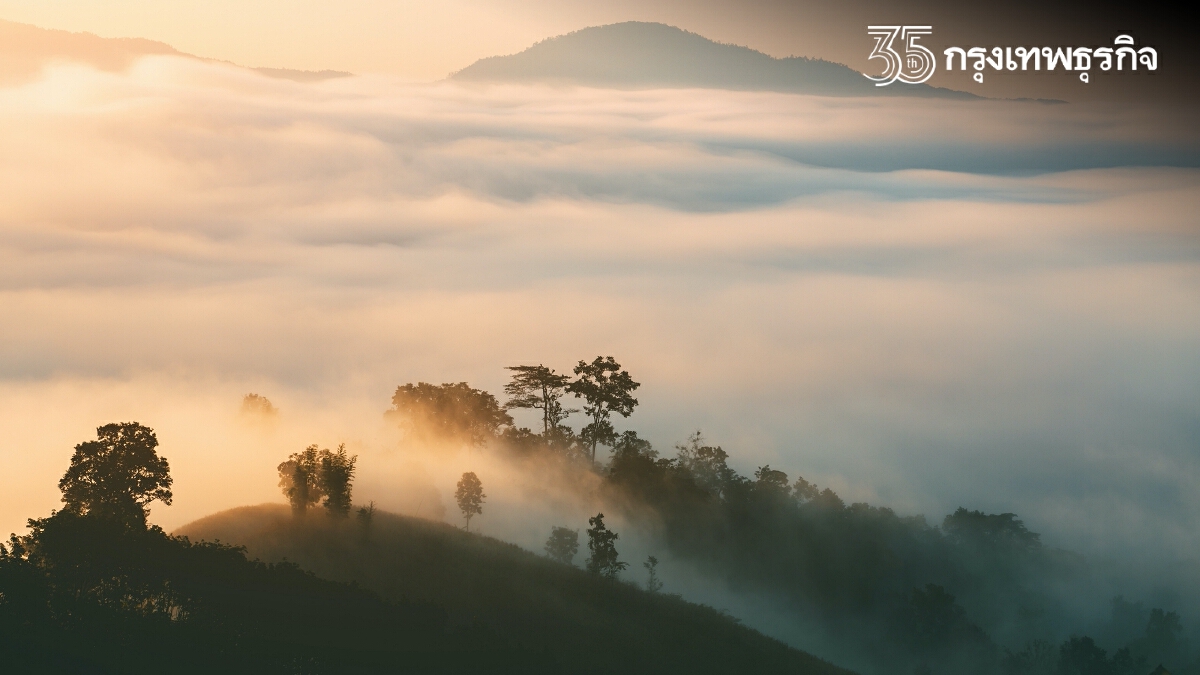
(25, 49)
(636, 55)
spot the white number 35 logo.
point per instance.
(917, 64)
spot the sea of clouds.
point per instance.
(922, 304)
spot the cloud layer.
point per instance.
(920, 303)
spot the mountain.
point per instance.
(639, 55)
(570, 618)
(26, 49)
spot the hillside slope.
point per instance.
(528, 601)
(26, 49)
(636, 54)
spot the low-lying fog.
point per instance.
(922, 304)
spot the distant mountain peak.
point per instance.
(639, 55)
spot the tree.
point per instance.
(653, 584)
(804, 491)
(635, 466)
(1082, 656)
(117, 475)
(299, 478)
(366, 515)
(934, 626)
(253, 404)
(539, 388)
(562, 545)
(312, 475)
(1163, 638)
(448, 412)
(605, 389)
(989, 531)
(1125, 663)
(335, 477)
(1037, 658)
(707, 464)
(771, 483)
(601, 542)
(469, 496)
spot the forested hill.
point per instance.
(94, 588)
(573, 620)
(636, 54)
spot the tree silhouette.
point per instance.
(771, 483)
(299, 478)
(366, 515)
(1123, 662)
(335, 477)
(117, 475)
(539, 388)
(989, 531)
(601, 542)
(1163, 638)
(934, 618)
(253, 404)
(563, 544)
(606, 389)
(653, 583)
(451, 412)
(312, 475)
(469, 496)
(707, 464)
(1082, 656)
(1039, 657)
(804, 491)
(636, 467)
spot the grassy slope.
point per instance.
(525, 599)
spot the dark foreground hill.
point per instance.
(101, 593)
(636, 54)
(541, 614)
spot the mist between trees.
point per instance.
(93, 588)
(976, 593)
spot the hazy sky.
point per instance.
(428, 40)
(922, 304)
